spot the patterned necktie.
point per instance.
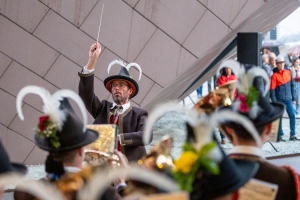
(114, 120)
(117, 110)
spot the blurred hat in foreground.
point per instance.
(250, 102)
(59, 129)
(203, 169)
(7, 166)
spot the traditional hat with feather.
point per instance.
(59, 129)
(203, 169)
(123, 75)
(249, 101)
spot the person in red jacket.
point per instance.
(282, 90)
(226, 75)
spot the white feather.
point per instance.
(200, 123)
(120, 62)
(255, 110)
(235, 66)
(95, 188)
(202, 132)
(157, 113)
(39, 189)
(136, 66)
(215, 154)
(43, 93)
(226, 115)
(58, 95)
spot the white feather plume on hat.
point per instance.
(201, 123)
(94, 189)
(51, 103)
(245, 82)
(124, 64)
(39, 189)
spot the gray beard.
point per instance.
(120, 100)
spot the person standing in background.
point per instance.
(226, 75)
(266, 65)
(199, 91)
(295, 70)
(282, 90)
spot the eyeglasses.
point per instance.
(120, 85)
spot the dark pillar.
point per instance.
(248, 48)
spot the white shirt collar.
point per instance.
(125, 106)
(247, 150)
(71, 169)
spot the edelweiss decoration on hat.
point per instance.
(249, 101)
(123, 75)
(203, 169)
(59, 129)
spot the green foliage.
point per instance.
(252, 96)
(185, 180)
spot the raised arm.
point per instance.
(86, 83)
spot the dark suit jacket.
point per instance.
(131, 123)
(276, 175)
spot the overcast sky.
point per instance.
(290, 25)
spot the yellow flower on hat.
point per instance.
(186, 161)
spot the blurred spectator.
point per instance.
(266, 50)
(272, 60)
(199, 91)
(288, 58)
(226, 75)
(266, 64)
(265, 59)
(295, 71)
(282, 90)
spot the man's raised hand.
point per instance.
(94, 53)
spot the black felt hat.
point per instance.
(7, 166)
(250, 100)
(269, 112)
(124, 76)
(233, 174)
(71, 136)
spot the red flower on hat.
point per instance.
(46, 128)
(42, 124)
(244, 108)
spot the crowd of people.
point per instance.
(202, 171)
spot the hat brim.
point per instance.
(262, 119)
(90, 136)
(133, 84)
(19, 168)
(244, 171)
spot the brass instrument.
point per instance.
(159, 157)
(101, 151)
(222, 95)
